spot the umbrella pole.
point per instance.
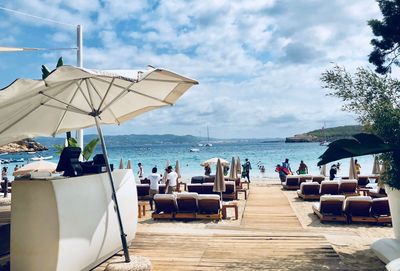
(114, 196)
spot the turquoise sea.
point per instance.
(268, 154)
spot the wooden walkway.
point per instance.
(269, 237)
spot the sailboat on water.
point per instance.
(208, 144)
(325, 142)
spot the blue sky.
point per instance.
(258, 62)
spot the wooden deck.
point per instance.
(269, 237)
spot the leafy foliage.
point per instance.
(387, 32)
(87, 150)
(46, 71)
(376, 101)
(337, 132)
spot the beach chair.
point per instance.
(358, 209)
(197, 179)
(187, 205)
(161, 188)
(309, 191)
(330, 208)
(291, 182)
(209, 179)
(143, 191)
(195, 188)
(230, 191)
(166, 206)
(304, 178)
(236, 181)
(348, 187)
(209, 207)
(207, 188)
(380, 210)
(329, 188)
(145, 181)
(318, 178)
(378, 192)
(362, 181)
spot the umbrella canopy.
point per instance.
(41, 165)
(69, 98)
(164, 177)
(72, 98)
(215, 161)
(376, 167)
(178, 169)
(129, 164)
(360, 144)
(238, 167)
(232, 172)
(121, 164)
(352, 169)
(219, 182)
(323, 170)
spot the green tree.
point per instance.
(375, 99)
(387, 37)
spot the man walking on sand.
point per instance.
(246, 169)
(172, 181)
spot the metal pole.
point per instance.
(79, 63)
(114, 196)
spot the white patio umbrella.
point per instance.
(129, 164)
(214, 161)
(73, 98)
(219, 182)
(121, 164)
(352, 169)
(322, 171)
(178, 169)
(41, 165)
(164, 177)
(232, 172)
(376, 167)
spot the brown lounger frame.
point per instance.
(155, 215)
(328, 217)
(308, 197)
(209, 216)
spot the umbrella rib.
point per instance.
(102, 99)
(67, 109)
(169, 81)
(87, 81)
(123, 92)
(105, 95)
(83, 94)
(67, 104)
(135, 91)
(65, 113)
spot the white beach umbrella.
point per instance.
(164, 177)
(352, 169)
(43, 166)
(121, 164)
(238, 167)
(323, 170)
(214, 161)
(219, 181)
(375, 168)
(178, 169)
(129, 164)
(232, 172)
(73, 98)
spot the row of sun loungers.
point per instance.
(187, 206)
(293, 182)
(313, 190)
(352, 209)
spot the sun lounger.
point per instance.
(304, 178)
(330, 208)
(187, 205)
(380, 210)
(236, 180)
(209, 207)
(291, 182)
(207, 188)
(161, 188)
(197, 179)
(362, 181)
(195, 188)
(145, 181)
(358, 209)
(348, 187)
(143, 191)
(166, 206)
(378, 192)
(309, 191)
(318, 178)
(209, 179)
(230, 191)
(329, 188)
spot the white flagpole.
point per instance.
(79, 63)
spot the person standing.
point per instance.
(140, 171)
(332, 172)
(172, 181)
(154, 178)
(287, 166)
(4, 184)
(207, 170)
(357, 166)
(282, 174)
(246, 169)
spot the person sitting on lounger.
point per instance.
(154, 178)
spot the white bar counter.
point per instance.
(70, 223)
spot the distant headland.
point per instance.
(327, 134)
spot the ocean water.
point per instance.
(268, 154)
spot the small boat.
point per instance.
(208, 145)
(4, 153)
(41, 158)
(31, 152)
(200, 145)
(17, 160)
(324, 143)
(194, 150)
